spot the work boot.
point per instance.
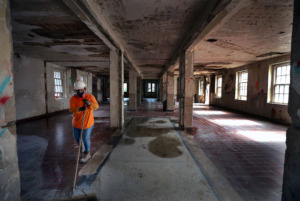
(82, 148)
(86, 158)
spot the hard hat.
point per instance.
(79, 84)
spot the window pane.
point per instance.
(281, 89)
(286, 99)
(153, 87)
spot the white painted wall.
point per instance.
(54, 104)
(29, 87)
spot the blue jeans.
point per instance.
(85, 137)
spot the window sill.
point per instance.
(281, 104)
(240, 100)
(59, 99)
(218, 97)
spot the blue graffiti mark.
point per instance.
(2, 132)
(4, 84)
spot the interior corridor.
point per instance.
(246, 152)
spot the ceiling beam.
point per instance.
(215, 10)
(96, 22)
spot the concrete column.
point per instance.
(170, 89)
(132, 90)
(175, 87)
(291, 178)
(9, 170)
(139, 91)
(164, 89)
(186, 85)
(160, 89)
(116, 89)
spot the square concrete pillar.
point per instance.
(116, 89)
(132, 90)
(291, 177)
(164, 87)
(139, 91)
(9, 169)
(186, 67)
(170, 89)
(175, 88)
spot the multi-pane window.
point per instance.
(201, 87)
(151, 87)
(242, 83)
(58, 85)
(218, 86)
(125, 87)
(281, 83)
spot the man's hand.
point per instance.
(80, 109)
(87, 102)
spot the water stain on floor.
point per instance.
(165, 147)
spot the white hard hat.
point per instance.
(79, 84)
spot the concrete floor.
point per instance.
(211, 162)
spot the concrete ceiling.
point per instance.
(222, 33)
(152, 31)
(48, 30)
(252, 31)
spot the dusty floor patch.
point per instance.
(127, 141)
(165, 147)
(159, 122)
(143, 131)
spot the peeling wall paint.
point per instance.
(9, 172)
(257, 91)
(29, 87)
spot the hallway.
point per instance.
(247, 151)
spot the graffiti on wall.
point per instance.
(259, 94)
(3, 100)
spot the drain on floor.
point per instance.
(165, 147)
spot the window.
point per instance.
(151, 87)
(125, 87)
(201, 87)
(58, 85)
(280, 83)
(241, 85)
(218, 86)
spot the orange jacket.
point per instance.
(75, 103)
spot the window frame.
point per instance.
(273, 69)
(125, 84)
(201, 87)
(238, 86)
(217, 87)
(62, 84)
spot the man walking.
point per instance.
(79, 103)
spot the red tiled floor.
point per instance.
(47, 153)
(247, 151)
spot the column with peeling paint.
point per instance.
(139, 91)
(9, 171)
(291, 178)
(132, 90)
(116, 89)
(186, 67)
(170, 89)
